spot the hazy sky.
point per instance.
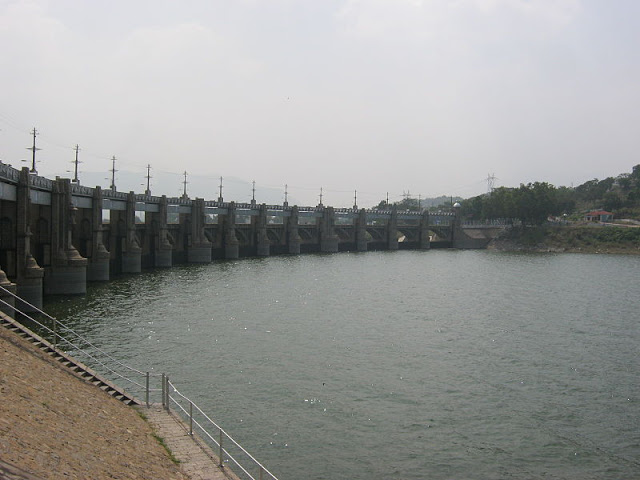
(426, 97)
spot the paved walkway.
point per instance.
(197, 460)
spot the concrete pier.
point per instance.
(55, 236)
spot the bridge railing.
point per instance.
(495, 222)
(139, 384)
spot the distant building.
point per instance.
(598, 216)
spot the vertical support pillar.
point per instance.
(98, 266)
(392, 230)
(458, 237)
(67, 274)
(361, 231)
(231, 244)
(262, 240)
(328, 237)
(293, 238)
(131, 250)
(425, 241)
(29, 274)
(199, 249)
(163, 255)
(8, 288)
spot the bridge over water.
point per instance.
(55, 236)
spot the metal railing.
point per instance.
(228, 450)
(68, 340)
(138, 383)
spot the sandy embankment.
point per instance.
(55, 426)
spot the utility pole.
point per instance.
(419, 202)
(220, 200)
(320, 205)
(113, 173)
(75, 175)
(184, 183)
(355, 200)
(148, 190)
(33, 149)
(387, 199)
(253, 192)
(286, 196)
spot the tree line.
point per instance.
(533, 203)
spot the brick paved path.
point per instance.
(197, 460)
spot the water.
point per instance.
(396, 365)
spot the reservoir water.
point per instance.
(438, 364)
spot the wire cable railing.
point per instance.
(137, 382)
(74, 344)
(229, 451)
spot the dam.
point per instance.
(57, 235)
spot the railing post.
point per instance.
(55, 334)
(147, 392)
(166, 390)
(220, 450)
(163, 386)
(260, 474)
(190, 417)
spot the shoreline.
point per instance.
(586, 239)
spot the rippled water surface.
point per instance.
(396, 365)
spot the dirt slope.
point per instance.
(56, 426)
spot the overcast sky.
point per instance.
(373, 96)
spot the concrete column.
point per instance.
(163, 256)
(293, 238)
(131, 250)
(98, 266)
(425, 241)
(392, 230)
(361, 231)
(28, 273)
(199, 248)
(231, 244)
(7, 288)
(67, 274)
(328, 237)
(262, 240)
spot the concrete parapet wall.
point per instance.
(463, 241)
